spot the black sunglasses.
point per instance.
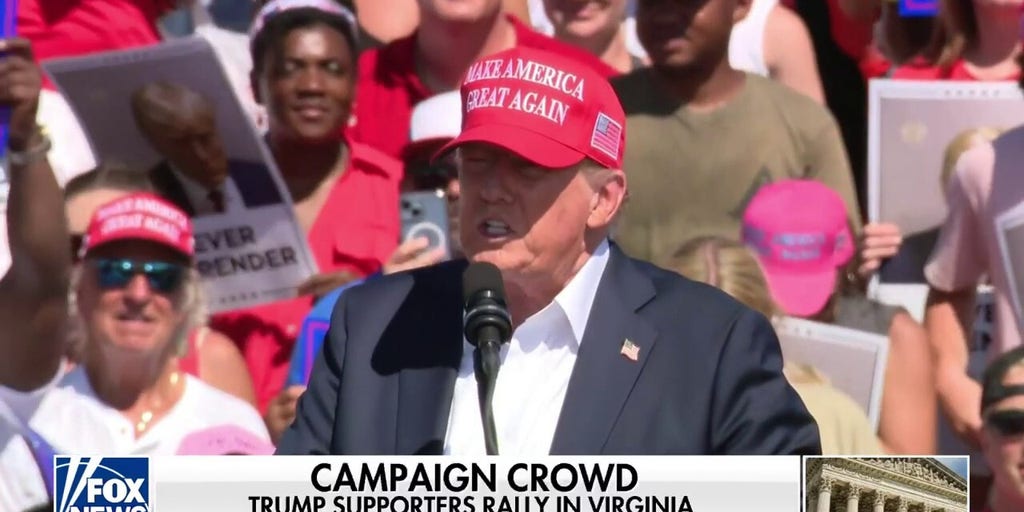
(1007, 422)
(163, 277)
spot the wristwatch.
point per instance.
(30, 155)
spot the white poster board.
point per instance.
(252, 253)
(910, 125)
(853, 361)
(1010, 233)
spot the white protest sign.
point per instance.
(249, 247)
(911, 127)
(1010, 233)
(854, 361)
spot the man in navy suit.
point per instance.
(609, 355)
(196, 174)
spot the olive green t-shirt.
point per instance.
(691, 174)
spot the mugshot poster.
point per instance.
(912, 127)
(850, 360)
(170, 111)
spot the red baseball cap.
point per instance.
(140, 216)
(549, 109)
(799, 230)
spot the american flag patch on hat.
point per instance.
(607, 136)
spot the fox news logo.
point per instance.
(101, 484)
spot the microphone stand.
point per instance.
(486, 361)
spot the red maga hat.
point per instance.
(140, 217)
(547, 108)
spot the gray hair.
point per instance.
(597, 176)
(193, 304)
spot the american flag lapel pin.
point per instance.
(630, 350)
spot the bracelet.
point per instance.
(30, 155)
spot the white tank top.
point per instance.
(540, 22)
(746, 45)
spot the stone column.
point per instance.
(903, 504)
(852, 498)
(879, 502)
(825, 494)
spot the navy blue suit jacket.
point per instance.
(253, 180)
(708, 379)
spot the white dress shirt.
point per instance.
(534, 375)
(199, 196)
(541, 23)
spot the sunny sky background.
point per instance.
(957, 464)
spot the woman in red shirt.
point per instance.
(973, 40)
(345, 194)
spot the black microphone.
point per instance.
(487, 325)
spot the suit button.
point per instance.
(291, 330)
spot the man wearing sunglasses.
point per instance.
(1002, 436)
(136, 295)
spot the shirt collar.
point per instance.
(577, 297)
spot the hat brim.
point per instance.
(525, 143)
(802, 294)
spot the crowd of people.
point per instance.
(729, 148)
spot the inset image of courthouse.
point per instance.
(882, 484)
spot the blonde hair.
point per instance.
(193, 305)
(728, 265)
(731, 267)
(960, 144)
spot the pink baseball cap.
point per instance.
(799, 230)
(140, 216)
(224, 440)
(549, 109)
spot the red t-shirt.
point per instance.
(853, 37)
(388, 86)
(919, 69)
(356, 231)
(66, 28)
(874, 64)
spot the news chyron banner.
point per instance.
(426, 484)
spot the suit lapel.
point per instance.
(603, 377)
(426, 381)
(168, 186)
